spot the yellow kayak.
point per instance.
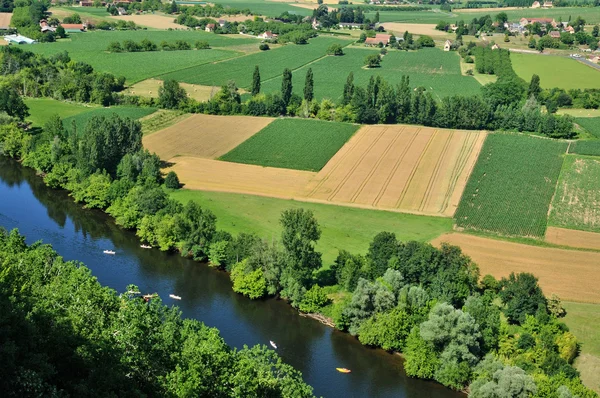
(343, 370)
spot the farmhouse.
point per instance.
(543, 21)
(570, 29)
(268, 35)
(73, 27)
(554, 34)
(536, 4)
(18, 39)
(44, 27)
(210, 27)
(547, 4)
(379, 38)
(595, 59)
(447, 45)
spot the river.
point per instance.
(79, 234)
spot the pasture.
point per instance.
(438, 71)
(266, 8)
(91, 47)
(342, 227)
(204, 136)
(432, 16)
(590, 148)
(590, 124)
(572, 274)
(575, 203)
(80, 120)
(41, 109)
(510, 189)
(555, 71)
(271, 64)
(406, 168)
(298, 144)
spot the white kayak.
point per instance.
(175, 297)
(145, 247)
(108, 252)
(273, 344)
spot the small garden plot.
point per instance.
(512, 184)
(293, 144)
(82, 119)
(591, 124)
(575, 203)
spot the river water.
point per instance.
(316, 350)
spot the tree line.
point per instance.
(66, 335)
(148, 45)
(411, 297)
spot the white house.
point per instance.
(447, 45)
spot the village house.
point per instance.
(268, 35)
(595, 59)
(74, 27)
(536, 4)
(222, 22)
(554, 34)
(543, 21)
(379, 38)
(44, 27)
(547, 4)
(447, 45)
(570, 29)
(210, 27)
(495, 47)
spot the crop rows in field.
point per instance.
(271, 64)
(293, 144)
(436, 70)
(575, 203)
(82, 119)
(591, 124)
(512, 184)
(589, 148)
(555, 71)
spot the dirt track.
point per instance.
(409, 168)
(204, 136)
(573, 238)
(571, 274)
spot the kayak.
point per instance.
(343, 370)
(108, 252)
(174, 297)
(273, 344)
(145, 247)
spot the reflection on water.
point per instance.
(314, 349)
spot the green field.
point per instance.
(271, 64)
(589, 148)
(575, 203)
(555, 71)
(438, 71)
(511, 186)
(267, 8)
(424, 16)
(41, 109)
(293, 144)
(342, 227)
(590, 124)
(123, 111)
(590, 14)
(90, 48)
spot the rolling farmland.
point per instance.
(575, 203)
(271, 64)
(438, 71)
(293, 144)
(410, 168)
(204, 136)
(510, 189)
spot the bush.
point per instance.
(263, 47)
(114, 47)
(314, 300)
(172, 181)
(335, 49)
(373, 61)
(202, 45)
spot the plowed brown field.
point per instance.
(408, 168)
(204, 136)
(571, 274)
(214, 175)
(573, 238)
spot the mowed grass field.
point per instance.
(512, 184)
(575, 203)
(590, 124)
(82, 119)
(41, 109)
(342, 227)
(293, 144)
(555, 71)
(438, 71)
(90, 47)
(271, 64)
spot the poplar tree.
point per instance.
(348, 89)
(309, 86)
(286, 86)
(256, 81)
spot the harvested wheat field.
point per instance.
(214, 175)
(5, 18)
(407, 168)
(573, 238)
(151, 21)
(204, 136)
(149, 89)
(571, 274)
(415, 28)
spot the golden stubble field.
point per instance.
(151, 21)
(408, 168)
(573, 238)
(571, 274)
(204, 136)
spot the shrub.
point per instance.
(202, 45)
(335, 49)
(263, 47)
(172, 181)
(314, 300)
(114, 47)
(373, 61)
